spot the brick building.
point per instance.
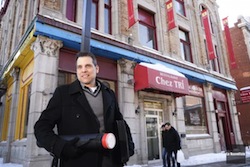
(240, 35)
(170, 65)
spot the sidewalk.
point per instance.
(214, 164)
(224, 164)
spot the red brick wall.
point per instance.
(241, 74)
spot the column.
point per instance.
(13, 112)
(234, 117)
(127, 100)
(211, 116)
(45, 79)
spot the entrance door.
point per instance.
(152, 128)
(153, 117)
(221, 132)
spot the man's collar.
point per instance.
(95, 92)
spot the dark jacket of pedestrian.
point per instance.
(171, 139)
(71, 113)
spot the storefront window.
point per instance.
(195, 118)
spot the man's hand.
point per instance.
(70, 149)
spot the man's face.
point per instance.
(167, 127)
(86, 71)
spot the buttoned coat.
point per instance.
(70, 112)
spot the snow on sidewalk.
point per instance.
(191, 161)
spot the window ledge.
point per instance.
(197, 136)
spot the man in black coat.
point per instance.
(172, 144)
(83, 107)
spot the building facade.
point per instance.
(240, 35)
(165, 60)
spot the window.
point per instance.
(107, 17)
(209, 19)
(179, 7)
(71, 10)
(94, 14)
(195, 118)
(101, 8)
(6, 119)
(185, 46)
(23, 114)
(214, 64)
(147, 29)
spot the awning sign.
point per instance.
(156, 76)
(245, 94)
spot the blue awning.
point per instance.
(220, 83)
(73, 41)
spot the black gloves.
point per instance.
(70, 150)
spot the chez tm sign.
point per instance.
(162, 79)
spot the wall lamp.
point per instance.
(237, 113)
(137, 110)
(174, 113)
(214, 111)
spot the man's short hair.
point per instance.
(167, 123)
(87, 54)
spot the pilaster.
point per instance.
(234, 117)
(211, 115)
(45, 76)
(13, 112)
(127, 100)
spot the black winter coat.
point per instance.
(171, 140)
(71, 113)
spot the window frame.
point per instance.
(6, 119)
(96, 3)
(187, 45)
(71, 10)
(23, 111)
(181, 5)
(147, 19)
(108, 7)
(202, 115)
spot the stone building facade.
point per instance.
(160, 68)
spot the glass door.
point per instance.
(152, 122)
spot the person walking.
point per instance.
(172, 144)
(83, 107)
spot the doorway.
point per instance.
(153, 118)
(152, 137)
(221, 132)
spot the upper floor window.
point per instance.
(103, 23)
(94, 14)
(179, 7)
(185, 46)
(107, 17)
(71, 10)
(214, 64)
(147, 29)
(211, 26)
(2, 3)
